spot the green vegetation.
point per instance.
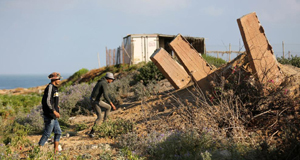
(120, 68)
(78, 74)
(130, 154)
(217, 62)
(80, 127)
(114, 128)
(97, 78)
(12, 104)
(72, 79)
(143, 92)
(15, 135)
(295, 61)
(148, 73)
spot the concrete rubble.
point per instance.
(258, 61)
(192, 61)
(171, 69)
(259, 51)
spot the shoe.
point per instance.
(91, 135)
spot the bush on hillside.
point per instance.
(119, 68)
(75, 100)
(15, 135)
(33, 121)
(143, 92)
(120, 88)
(147, 73)
(295, 61)
(13, 104)
(97, 78)
(213, 60)
(72, 79)
(114, 128)
(78, 74)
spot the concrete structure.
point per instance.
(191, 60)
(170, 68)
(139, 47)
(260, 53)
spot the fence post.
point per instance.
(98, 60)
(114, 57)
(229, 51)
(282, 49)
(106, 56)
(109, 57)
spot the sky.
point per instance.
(43, 36)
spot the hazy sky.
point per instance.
(42, 36)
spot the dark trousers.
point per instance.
(97, 106)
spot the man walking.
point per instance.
(101, 88)
(51, 111)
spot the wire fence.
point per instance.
(229, 52)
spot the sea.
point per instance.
(24, 81)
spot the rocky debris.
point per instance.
(83, 146)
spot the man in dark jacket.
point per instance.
(51, 111)
(101, 88)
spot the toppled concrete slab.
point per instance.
(191, 60)
(170, 68)
(261, 57)
(257, 65)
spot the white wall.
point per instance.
(143, 47)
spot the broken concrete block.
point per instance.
(191, 60)
(170, 68)
(260, 53)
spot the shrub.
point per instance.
(172, 145)
(75, 100)
(72, 79)
(141, 91)
(112, 69)
(97, 78)
(33, 121)
(119, 68)
(213, 60)
(15, 135)
(181, 145)
(120, 88)
(80, 127)
(295, 61)
(147, 73)
(114, 128)
(78, 74)
(13, 104)
(131, 154)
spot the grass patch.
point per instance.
(10, 105)
(115, 128)
(213, 60)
